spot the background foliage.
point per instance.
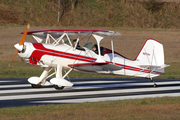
(101, 13)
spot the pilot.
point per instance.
(77, 46)
(74, 41)
(95, 48)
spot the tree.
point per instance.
(73, 4)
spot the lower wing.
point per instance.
(95, 66)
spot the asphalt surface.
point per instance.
(18, 92)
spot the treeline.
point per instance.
(102, 13)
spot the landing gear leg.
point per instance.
(59, 82)
(59, 75)
(44, 75)
(153, 82)
(37, 82)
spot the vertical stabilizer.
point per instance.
(151, 54)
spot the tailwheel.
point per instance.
(58, 87)
(155, 85)
(35, 86)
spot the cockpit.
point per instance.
(88, 45)
(94, 48)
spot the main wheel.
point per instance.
(58, 87)
(35, 86)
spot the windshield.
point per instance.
(67, 42)
(88, 45)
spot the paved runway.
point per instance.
(18, 92)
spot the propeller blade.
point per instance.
(24, 35)
(13, 58)
(21, 42)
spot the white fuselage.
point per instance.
(48, 55)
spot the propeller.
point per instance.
(19, 46)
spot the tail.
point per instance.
(151, 56)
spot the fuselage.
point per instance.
(48, 55)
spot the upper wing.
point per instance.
(56, 33)
(95, 66)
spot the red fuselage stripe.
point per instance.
(41, 50)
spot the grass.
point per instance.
(172, 72)
(150, 108)
(129, 45)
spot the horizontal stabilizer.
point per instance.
(60, 82)
(153, 66)
(96, 66)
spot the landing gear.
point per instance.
(59, 82)
(58, 87)
(35, 86)
(155, 85)
(37, 82)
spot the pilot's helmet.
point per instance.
(95, 45)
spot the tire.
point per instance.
(35, 86)
(58, 88)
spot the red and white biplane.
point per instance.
(55, 50)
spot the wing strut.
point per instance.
(98, 39)
(112, 48)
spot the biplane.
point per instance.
(55, 49)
